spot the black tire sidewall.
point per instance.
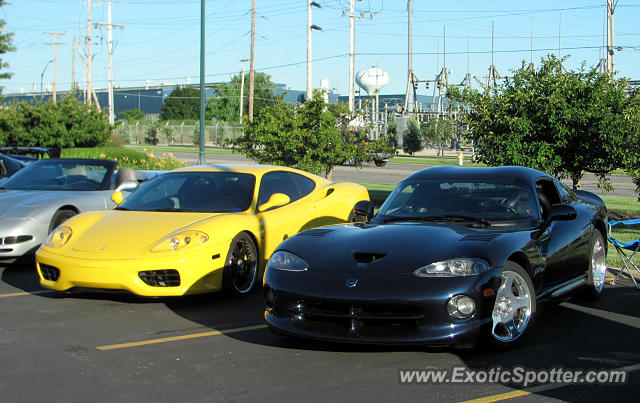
(59, 217)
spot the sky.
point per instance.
(159, 41)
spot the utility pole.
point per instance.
(611, 65)
(493, 72)
(109, 26)
(244, 61)
(410, 97)
(251, 70)
(54, 43)
(73, 64)
(467, 78)
(531, 66)
(602, 64)
(442, 79)
(352, 59)
(310, 27)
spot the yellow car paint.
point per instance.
(107, 249)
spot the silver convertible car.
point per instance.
(45, 193)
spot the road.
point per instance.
(115, 347)
(393, 173)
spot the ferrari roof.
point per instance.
(244, 168)
(523, 174)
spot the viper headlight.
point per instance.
(181, 240)
(283, 260)
(59, 237)
(453, 268)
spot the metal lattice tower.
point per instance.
(493, 72)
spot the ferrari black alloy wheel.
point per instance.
(597, 266)
(241, 267)
(514, 306)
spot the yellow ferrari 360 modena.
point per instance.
(193, 230)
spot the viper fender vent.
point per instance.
(479, 237)
(317, 232)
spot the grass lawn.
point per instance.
(180, 149)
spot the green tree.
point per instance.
(131, 115)
(68, 123)
(438, 133)
(182, 103)
(313, 137)
(562, 122)
(6, 45)
(412, 141)
(196, 134)
(392, 125)
(632, 151)
(153, 131)
(168, 133)
(226, 104)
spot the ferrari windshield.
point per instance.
(63, 174)
(482, 202)
(201, 192)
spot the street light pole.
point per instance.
(42, 74)
(201, 156)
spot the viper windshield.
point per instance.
(200, 192)
(483, 202)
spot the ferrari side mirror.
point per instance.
(276, 200)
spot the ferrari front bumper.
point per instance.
(199, 271)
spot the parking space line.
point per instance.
(178, 338)
(540, 388)
(18, 294)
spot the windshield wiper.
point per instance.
(169, 209)
(443, 218)
(455, 217)
(399, 218)
(121, 208)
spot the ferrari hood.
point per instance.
(130, 234)
(398, 247)
(21, 203)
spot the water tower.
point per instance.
(372, 80)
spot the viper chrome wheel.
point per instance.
(513, 307)
(597, 267)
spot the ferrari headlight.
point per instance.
(59, 237)
(180, 241)
(453, 268)
(283, 260)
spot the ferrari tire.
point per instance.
(597, 267)
(59, 217)
(513, 308)
(240, 274)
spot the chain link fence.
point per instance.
(167, 134)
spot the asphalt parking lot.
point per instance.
(99, 347)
